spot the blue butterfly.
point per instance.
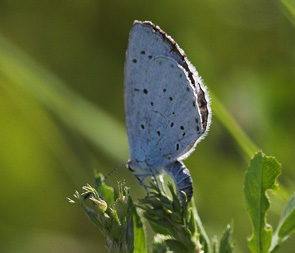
(167, 107)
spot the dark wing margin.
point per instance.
(178, 54)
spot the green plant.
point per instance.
(178, 228)
(114, 213)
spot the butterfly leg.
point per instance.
(142, 178)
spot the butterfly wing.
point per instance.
(174, 122)
(165, 105)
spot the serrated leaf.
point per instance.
(286, 225)
(261, 176)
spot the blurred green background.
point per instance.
(62, 116)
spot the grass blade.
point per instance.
(93, 123)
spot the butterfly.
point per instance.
(167, 107)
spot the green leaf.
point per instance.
(286, 225)
(226, 246)
(139, 234)
(214, 242)
(203, 237)
(176, 246)
(104, 190)
(158, 227)
(261, 176)
(159, 245)
(166, 216)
